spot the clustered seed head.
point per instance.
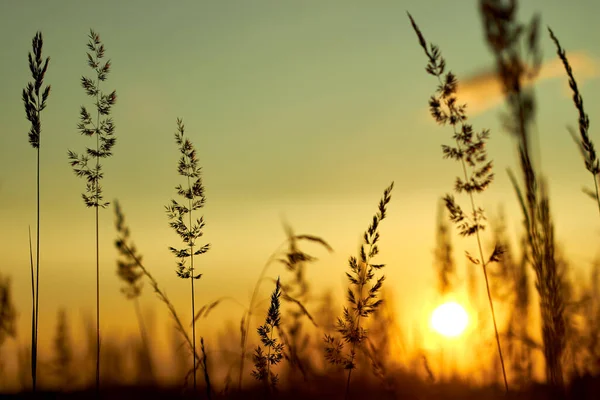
(34, 104)
(103, 128)
(470, 148)
(189, 168)
(586, 147)
(128, 268)
(273, 353)
(361, 303)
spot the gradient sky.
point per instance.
(303, 110)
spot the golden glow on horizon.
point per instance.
(450, 319)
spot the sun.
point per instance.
(450, 319)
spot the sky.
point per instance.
(301, 111)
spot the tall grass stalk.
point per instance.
(263, 361)
(125, 247)
(293, 254)
(128, 271)
(103, 129)
(471, 152)
(191, 231)
(361, 304)
(35, 103)
(584, 143)
(504, 35)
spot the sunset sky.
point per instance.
(302, 111)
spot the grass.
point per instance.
(271, 352)
(35, 103)
(357, 357)
(189, 231)
(102, 128)
(130, 273)
(362, 301)
(470, 151)
(294, 259)
(513, 67)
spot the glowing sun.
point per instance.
(449, 319)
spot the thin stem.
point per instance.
(97, 250)
(360, 294)
(268, 359)
(597, 195)
(163, 298)
(192, 278)
(484, 265)
(250, 308)
(37, 258)
(33, 375)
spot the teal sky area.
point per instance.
(300, 110)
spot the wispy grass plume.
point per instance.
(296, 293)
(102, 128)
(362, 301)
(470, 151)
(122, 245)
(586, 147)
(291, 258)
(504, 35)
(271, 352)
(189, 231)
(35, 103)
(129, 272)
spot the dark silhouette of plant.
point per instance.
(103, 129)
(504, 35)
(292, 255)
(584, 143)
(191, 231)
(362, 301)
(471, 152)
(511, 285)
(122, 243)
(296, 292)
(129, 272)
(35, 103)
(271, 352)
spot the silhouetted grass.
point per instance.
(35, 103)
(470, 151)
(103, 129)
(507, 38)
(365, 334)
(361, 304)
(586, 147)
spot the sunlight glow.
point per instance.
(449, 319)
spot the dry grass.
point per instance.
(584, 143)
(364, 340)
(469, 149)
(505, 35)
(103, 129)
(271, 352)
(362, 301)
(189, 231)
(35, 103)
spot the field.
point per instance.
(140, 255)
